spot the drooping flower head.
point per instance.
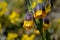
(39, 12)
(46, 23)
(28, 22)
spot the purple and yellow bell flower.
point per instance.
(28, 22)
(39, 12)
(46, 23)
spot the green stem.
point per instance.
(39, 27)
(47, 35)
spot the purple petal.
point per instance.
(38, 7)
(46, 20)
(28, 16)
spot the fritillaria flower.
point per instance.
(39, 13)
(28, 21)
(46, 23)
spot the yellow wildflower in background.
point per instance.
(12, 36)
(27, 37)
(33, 4)
(14, 17)
(3, 8)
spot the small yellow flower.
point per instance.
(11, 36)
(14, 17)
(3, 8)
(33, 4)
(28, 24)
(27, 37)
(48, 8)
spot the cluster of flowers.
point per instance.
(41, 9)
